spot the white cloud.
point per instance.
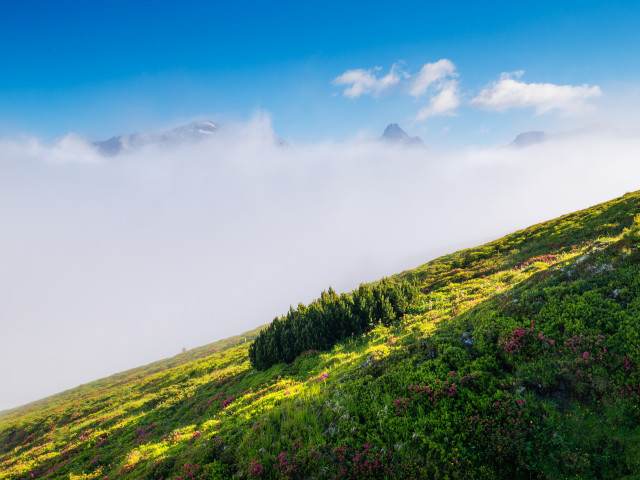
(431, 73)
(544, 97)
(437, 80)
(443, 103)
(366, 81)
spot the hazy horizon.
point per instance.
(114, 262)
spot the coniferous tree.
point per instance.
(329, 319)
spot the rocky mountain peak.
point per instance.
(395, 134)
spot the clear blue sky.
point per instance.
(102, 68)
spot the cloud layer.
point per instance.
(112, 263)
(444, 102)
(362, 82)
(432, 74)
(508, 93)
(438, 82)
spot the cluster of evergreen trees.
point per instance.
(328, 319)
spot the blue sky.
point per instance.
(103, 68)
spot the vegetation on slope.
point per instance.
(520, 359)
(332, 317)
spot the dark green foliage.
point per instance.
(329, 319)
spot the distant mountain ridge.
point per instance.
(192, 132)
(394, 134)
(527, 139)
(184, 134)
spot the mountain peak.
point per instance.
(529, 138)
(201, 127)
(184, 134)
(395, 134)
(190, 132)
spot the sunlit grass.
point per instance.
(207, 410)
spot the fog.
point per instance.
(107, 263)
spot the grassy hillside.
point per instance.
(520, 359)
(136, 373)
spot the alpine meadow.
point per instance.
(519, 358)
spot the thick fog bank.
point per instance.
(111, 262)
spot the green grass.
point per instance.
(520, 359)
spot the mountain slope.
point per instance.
(520, 359)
